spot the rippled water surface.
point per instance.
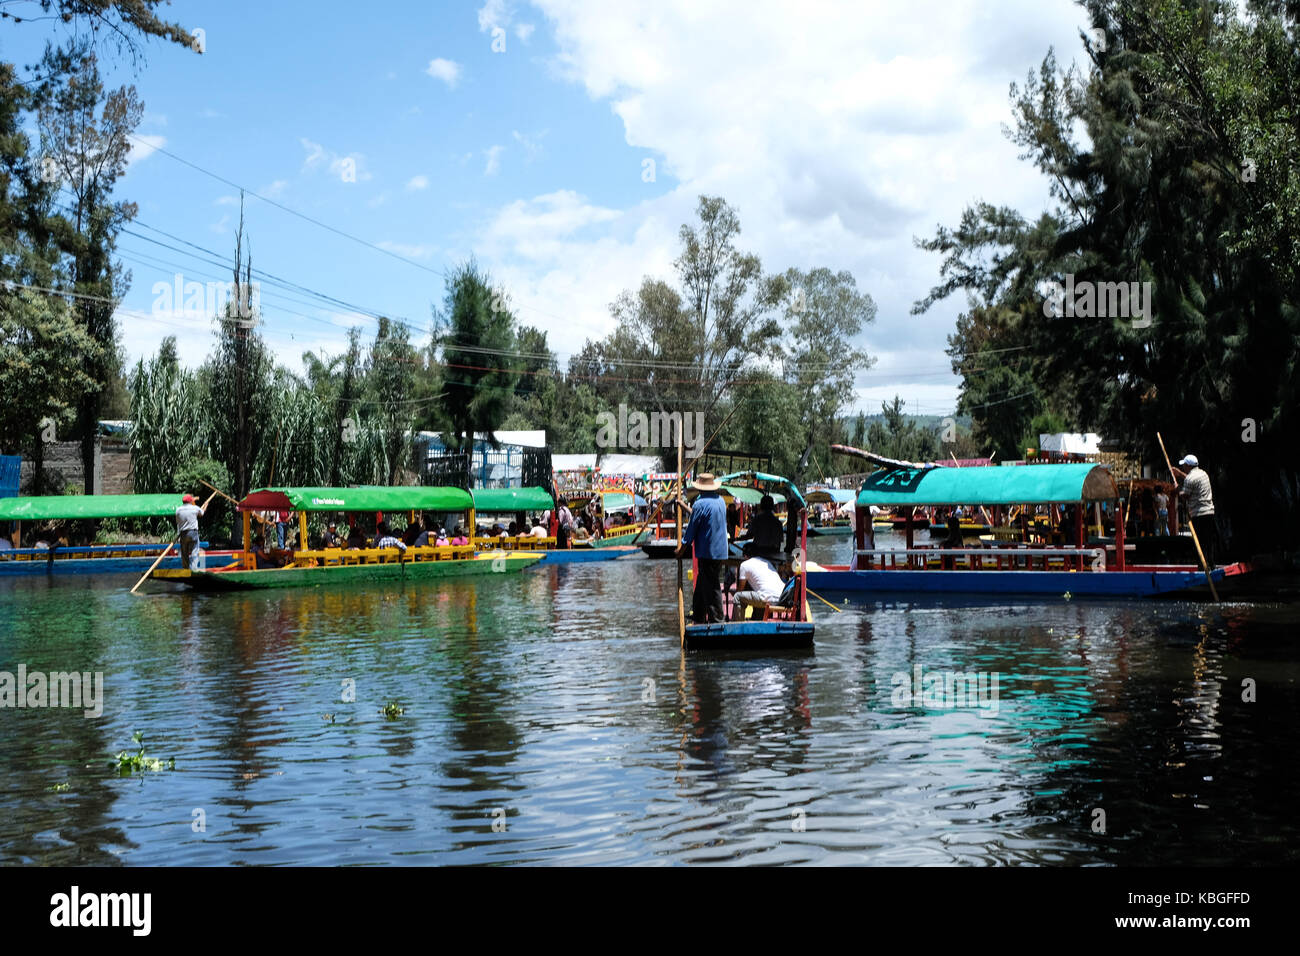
(549, 717)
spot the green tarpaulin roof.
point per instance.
(511, 499)
(616, 501)
(1011, 485)
(768, 484)
(748, 496)
(406, 498)
(54, 507)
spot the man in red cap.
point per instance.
(187, 526)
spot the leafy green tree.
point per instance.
(475, 335)
(825, 313)
(390, 377)
(898, 436)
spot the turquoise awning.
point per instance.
(1007, 485)
(511, 499)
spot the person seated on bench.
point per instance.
(759, 582)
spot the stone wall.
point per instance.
(115, 467)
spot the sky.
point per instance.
(563, 143)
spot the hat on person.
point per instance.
(188, 499)
(1190, 460)
(706, 482)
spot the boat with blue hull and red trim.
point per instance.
(1052, 558)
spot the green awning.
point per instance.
(511, 499)
(823, 496)
(58, 507)
(405, 498)
(1007, 485)
(767, 484)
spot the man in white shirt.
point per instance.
(758, 584)
(1195, 491)
(187, 527)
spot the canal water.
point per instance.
(549, 717)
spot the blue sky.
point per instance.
(839, 131)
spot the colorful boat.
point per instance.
(314, 567)
(1001, 568)
(835, 498)
(517, 502)
(788, 625)
(612, 501)
(91, 559)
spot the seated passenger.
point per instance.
(513, 530)
(538, 531)
(263, 559)
(330, 538)
(423, 540)
(759, 583)
(459, 538)
(413, 532)
(356, 540)
(441, 540)
(765, 532)
(385, 539)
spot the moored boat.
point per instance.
(91, 558)
(312, 567)
(1073, 567)
(517, 502)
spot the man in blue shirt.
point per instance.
(707, 532)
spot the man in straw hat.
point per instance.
(707, 532)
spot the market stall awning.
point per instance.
(1007, 485)
(59, 507)
(511, 499)
(406, 498)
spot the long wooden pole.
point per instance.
(158, 561)
(681, 598)
(1195, 540)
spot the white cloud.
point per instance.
(838, 135)
(418, 182)
(275, 189)
(524, 31)
(142, 147)
(492, 156)
(532, 144)
(446, 70)
(348, 168)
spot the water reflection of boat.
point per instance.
(770, 626)
(311, 567)
(1065, 564)
(89, 559)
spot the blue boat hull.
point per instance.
(586, 555)
(1144, 583)
(750, 635)
(94, 565)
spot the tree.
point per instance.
(84, 138)
(128, 21)
(475, 333)
(826, 313)
(899, 436)
(390, 380)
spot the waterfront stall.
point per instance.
(59, 558)
(306, 566)
(1070, 564)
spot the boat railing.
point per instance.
(522, 542)
(62, 552)
(992, 559)
(336, 557)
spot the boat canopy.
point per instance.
(511, 499)
(616, 501)
(1006, 485)
(766, 484)
(405, 498)
(746, 495)
(822, 496)
(59, 507)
